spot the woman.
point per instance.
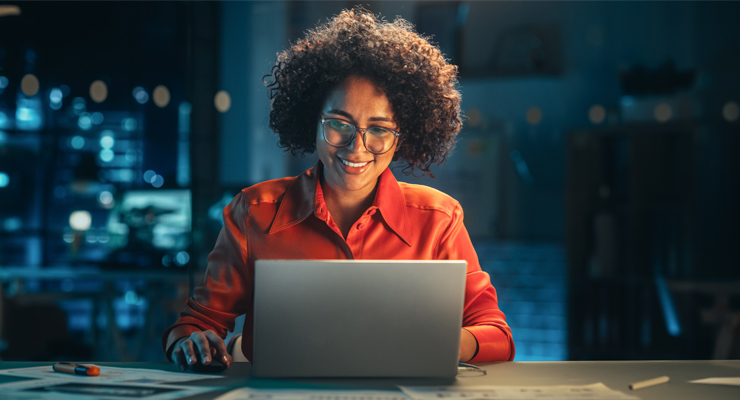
(361, 93)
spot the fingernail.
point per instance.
(226, 360)
(208, 359)
(190, 360)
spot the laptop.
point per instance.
(357, 318)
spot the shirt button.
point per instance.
(359, 226)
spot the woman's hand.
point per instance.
(200, 347)
(468, 346)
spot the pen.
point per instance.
(649, 382)
(76, 369)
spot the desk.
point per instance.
(615, 374)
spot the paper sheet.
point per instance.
(110, 374)
(593, 391)
(56, 389)
(734, 381)
(296, 394)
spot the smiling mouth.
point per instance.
(354, 165)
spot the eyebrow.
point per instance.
(348, 115)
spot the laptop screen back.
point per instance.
(357, 318)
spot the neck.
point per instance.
(346, 207)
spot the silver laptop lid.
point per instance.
(357, 318)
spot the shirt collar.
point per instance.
(302, 198)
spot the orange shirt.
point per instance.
(288, 219)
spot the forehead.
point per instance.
(358, 95)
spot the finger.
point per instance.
(204, 348)
(178, 356)
(188, 348)
(221, 354)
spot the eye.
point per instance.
(379, 131)
(340, 126)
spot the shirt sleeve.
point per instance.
(226, 290)
(481, 315)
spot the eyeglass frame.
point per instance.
(396, 134)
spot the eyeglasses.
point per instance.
(340, 133)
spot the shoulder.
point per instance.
(266, 192)
(426, 198)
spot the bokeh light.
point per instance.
(140, 95)
(4, 180)
(129, 124)
(98, 91)
(222, 100)
(97, 118)
(77, 142)
(107, 141)
(731, 111)
(106, 155)
(30, 85)
(663, 112)
(84, 122)
(80, 220)
(597, 114)
(534, 115)
(161, 96)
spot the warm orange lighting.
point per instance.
(161, 96)
(30, 85)
(98, 91)
(222, 101)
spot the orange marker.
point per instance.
(77, 369)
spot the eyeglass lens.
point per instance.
(377, 139)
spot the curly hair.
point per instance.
(413, 73)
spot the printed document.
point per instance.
(585, 392)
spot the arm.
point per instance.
(481, 315)
(224, 293)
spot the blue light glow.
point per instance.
(105, 198)
(131, 155)
(670, 316)
(157, 181)
(97, 118)
(182, 258)
(126, 175)
(107, 140)
(84, 122)
(149, 176)
(24, 114)
(521, 167)
(65, 90)
(3, 120)
(28, 114)
(3, 82)
(129, 124)
(4, 180)
(131, 297)
(12, 224)
(77, 142)
(79, 105)
(56, 95)
(106, 155)
(140, 95)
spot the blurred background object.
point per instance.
(597, 165)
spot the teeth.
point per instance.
(351, 164)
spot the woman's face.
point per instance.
(363, 104)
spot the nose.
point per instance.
(357, 146)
